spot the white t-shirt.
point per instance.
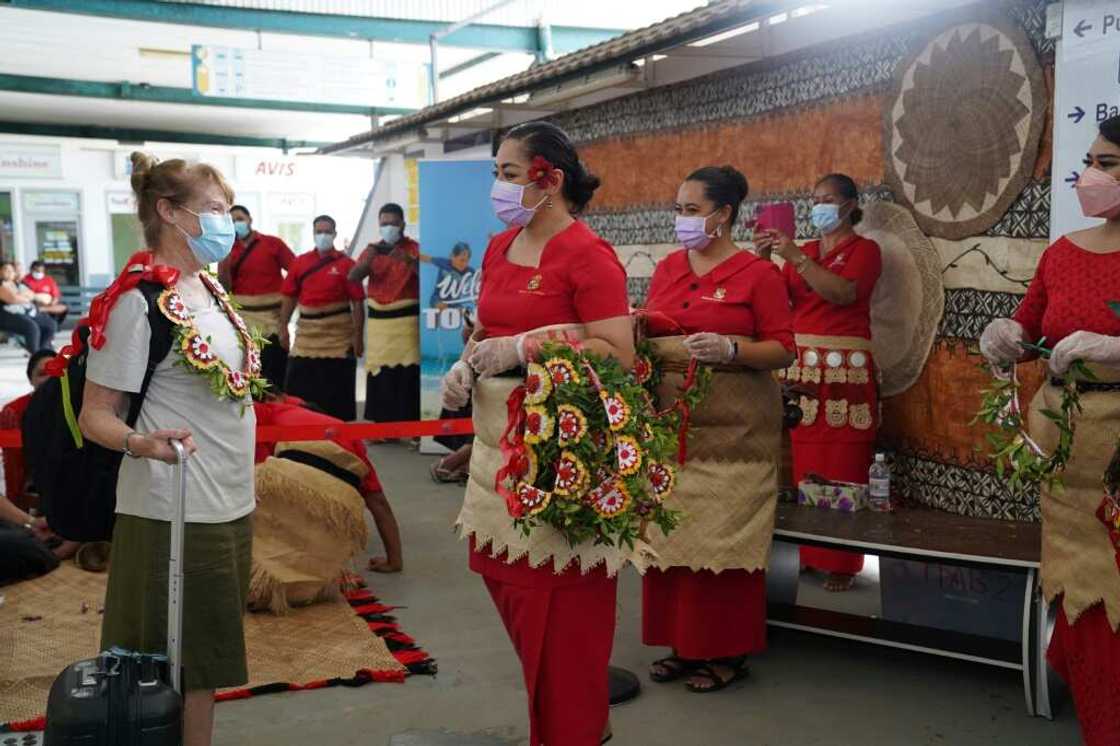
(220, 474)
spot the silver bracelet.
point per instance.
(126, 450)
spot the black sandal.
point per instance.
(739, 670)
(674, 666)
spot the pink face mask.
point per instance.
(1099, 194)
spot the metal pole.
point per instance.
(175, 569)
(433, 67)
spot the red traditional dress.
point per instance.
(322, 366)
(393, 332)
(713, 604)
(1070, 292)
(558, 604)
(256, 269)
(836, 437)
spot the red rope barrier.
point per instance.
(350, 431)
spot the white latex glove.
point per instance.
(710, 348)
(496, 355)
(455, 389)
(1088, 346)
(1000, 341)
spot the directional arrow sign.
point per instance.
(1081, 27)
(1076, 115)
(1072, 179)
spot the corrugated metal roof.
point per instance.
(696, 24)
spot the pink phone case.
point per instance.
(777, 216)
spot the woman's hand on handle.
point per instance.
(1087, 346)
(157, 445)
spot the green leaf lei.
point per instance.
(1016, 456)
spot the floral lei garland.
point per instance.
(585, 451)
(197, 355)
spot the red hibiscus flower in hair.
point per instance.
(542, 172)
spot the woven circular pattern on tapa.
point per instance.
(962, 126)
(909, 298)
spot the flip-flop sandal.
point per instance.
(739, 670)
(674, 668)
(839, 583)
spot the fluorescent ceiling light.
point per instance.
(731, 33)
(658, 57)
(469, 115)
(807, 10)
(779, 18)
(652, 58)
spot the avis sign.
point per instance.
(269, 168)
(1087, 91)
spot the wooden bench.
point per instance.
(938, 537)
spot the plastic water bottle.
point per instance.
(879, 484)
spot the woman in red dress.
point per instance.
(728, 309)
(547, 270)
(1068, 305)
(830, 284)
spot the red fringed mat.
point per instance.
(413, 660)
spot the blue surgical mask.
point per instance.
(390, 234)
(825, 217)
(324, 241)
(217, 236)
(241, 227)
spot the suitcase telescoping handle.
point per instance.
(175, 568)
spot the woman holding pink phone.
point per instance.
(830, 282)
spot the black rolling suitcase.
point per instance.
(122, 697)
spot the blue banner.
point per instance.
(456, 224)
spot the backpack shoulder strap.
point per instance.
(159, 345)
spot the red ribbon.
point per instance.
(686, 411)
(512, 445)
(139, 268)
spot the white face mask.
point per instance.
(38, 275)
(324, 242)
(390, 234)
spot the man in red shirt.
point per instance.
(48, 298)
(393, 320)
(322, 362)
(253, 273)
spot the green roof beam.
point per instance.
(160, 94)
(132, 135)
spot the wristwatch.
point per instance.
(126, 450)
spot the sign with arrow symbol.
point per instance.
(1086, 93)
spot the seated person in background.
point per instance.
(11, 418)
(284, 410)
(48, 298)
(19, 315)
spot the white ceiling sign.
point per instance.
(284, 75)
(121, 203)
(32, 161)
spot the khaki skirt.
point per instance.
(215, 592)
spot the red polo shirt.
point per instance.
(392, 276)
(262, 270)
(15, 468)
(45, 285)
(856, 259)
(579, 280)
(290, 412)
(743, 295)
(328, 285)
